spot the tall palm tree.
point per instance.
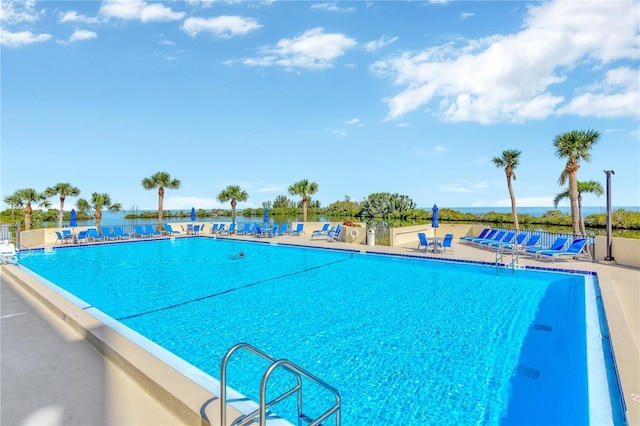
(64, 190)
(97, 203)
(588, 187)
(13, 201)
(160, 180)
(574, 146)
(303, 188)
(27, 197)
(234, 194)
(509, 162)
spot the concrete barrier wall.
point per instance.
(409, 234)
(625, 251)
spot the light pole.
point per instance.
(609, 173)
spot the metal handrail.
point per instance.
(264, 406)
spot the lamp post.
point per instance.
(608, 256)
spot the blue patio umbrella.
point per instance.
(434, 219)
(266, 215)
(193, 214)
(72, 221)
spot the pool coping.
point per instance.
(168, 384)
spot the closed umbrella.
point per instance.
(72, 221)
(434, 219)
(266, 215)
(193, 214)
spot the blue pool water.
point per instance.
(405, 341)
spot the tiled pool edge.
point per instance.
(188, 401)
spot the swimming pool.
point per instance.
(406, 341)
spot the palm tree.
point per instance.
(574, 146)
(234, 194)
(303, 189)
(160, 180)
(97, 203)
(27, 197)
(509, 162)
(64, 190)
(588, 187)
(13, 201)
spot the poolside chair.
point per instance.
(107, 233)
(321, 232)
(150, 231)
(120, 234)
(574, 250)
(422, 241)
(498, 236)
(228, 231)
(508, 238)
(335, 235)
(82, 237)
(488, 235)
(245, 230)
(483, 234)
(514, 244)
(258, 232)
(138, 231)
(67, 234)
(299, 229)
(447, 243)
(221, 228)
(558, 244)
(284, 229)
(93, 235)
(63, 239)
(214, 229)
(168, 230)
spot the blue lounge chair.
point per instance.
(321, 232)
(228, 231)
(422, 241)
(482, 234)
(336, 234)
(82, 237)
(258, 232)
(214, 229)
(221, 228)
(120, 234)
(138, 231)
(447, 243)
(299, 229)
(574, 250)
(63, 239)
(558, 244)
(488, 235)
(107, 233)
(283, 229)
(150, 231)
(498, 236)
(168, 230)
(67, 234)
(514, 244)
(508, 238)
(93, 235)
(245, 230)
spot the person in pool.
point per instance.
(241, 254)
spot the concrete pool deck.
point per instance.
(52, 373)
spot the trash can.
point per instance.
(371, 236)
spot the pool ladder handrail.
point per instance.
(515, 250)
(261, 412)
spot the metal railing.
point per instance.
(261, 412)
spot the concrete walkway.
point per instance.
(52, 375)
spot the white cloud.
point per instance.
(372, 46)
(79, 35)
(354, 122)
(21, 38)
(73, 16)
(221, 26)
(138, 9)
(332, 7)
(18, 12)
(466, 15)
(314, 49)
(454, 187)
(520, 76)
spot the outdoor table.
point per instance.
(435, 242)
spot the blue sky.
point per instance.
(359, 97)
